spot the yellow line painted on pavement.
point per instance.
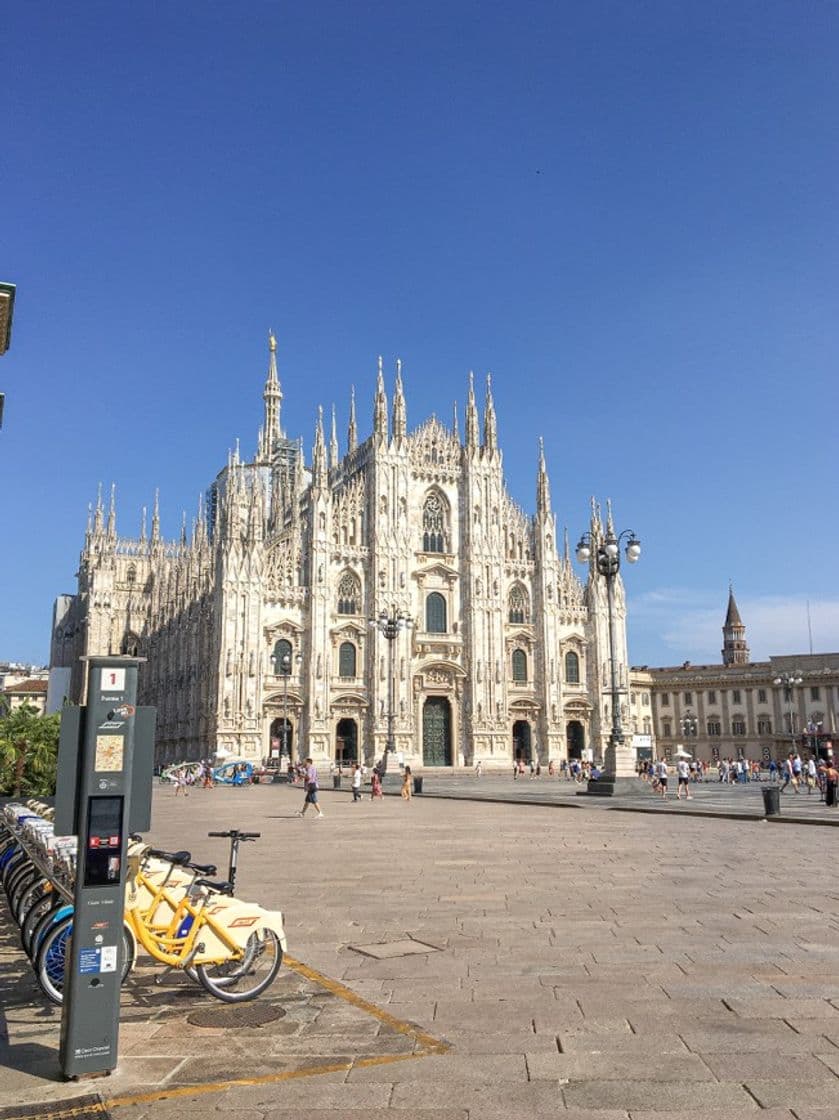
(66, 1113)
(429, 1045)
(434, 1045)
(265, 1079)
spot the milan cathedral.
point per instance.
(264, 629)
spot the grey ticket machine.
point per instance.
(104, 792)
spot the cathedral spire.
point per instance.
(319, 453)
(183, 528)
(112, 512)
(273, 397)
(735, 651)
(543, 486)
(352, 430)
(380, 407)
(155, 518)
(490, 426)
(143, 531)
(400, 424)
(333, 443)
(455, 425)
(471, 416)
(99, 518)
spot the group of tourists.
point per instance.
(200, 774)
(569, 769)
(359, 774)
(820, 776)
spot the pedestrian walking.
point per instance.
(478, 769)
(311, 784)
(790, 774)
(356, 783)
(811, 775)
(831, 781)
(375, 784)
(407, 790)
(683, 772)
(662, 778)
(773, 770)
(180, 782)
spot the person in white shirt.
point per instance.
(662, 778)
(812, 774)
(683, 771)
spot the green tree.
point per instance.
(28, 752)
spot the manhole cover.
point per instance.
(80, 1108)
(249, 1015)
(405, 948)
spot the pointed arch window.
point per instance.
(518, 605)
(572, 668)
(434, 523)
(346, 660)
(349, 594)
(519, 665)
(435, 613)
(281, 657)
(131, 574)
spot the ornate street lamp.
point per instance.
(689, 724)
(390, 625)
(790, 680)
(608, 563)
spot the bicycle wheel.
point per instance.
(52, 952)
(238, 981)
(25, 898)
(21, 870)
(49, 962)
(19, 885)
(38, 910)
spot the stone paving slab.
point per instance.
(593, 965)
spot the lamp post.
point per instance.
(390, 625)
(608, 563)
(790, 680)
(689, 724)
(285, 669)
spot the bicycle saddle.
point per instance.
(221, 887)
(179, 858)
(204, 868)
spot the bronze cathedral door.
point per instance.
(437, 732)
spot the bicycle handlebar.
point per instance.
(235, 834)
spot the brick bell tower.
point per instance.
(734, 651)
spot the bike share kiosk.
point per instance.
(105, 766)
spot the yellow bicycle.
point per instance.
(235, 948)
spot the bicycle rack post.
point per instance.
(104, 793)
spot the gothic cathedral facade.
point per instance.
(265, 631)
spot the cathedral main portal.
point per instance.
(437, 732)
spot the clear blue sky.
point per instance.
(626, 211)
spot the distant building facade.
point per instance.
(736, 709)
(256, 625)
(32, 693)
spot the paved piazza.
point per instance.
(586, 964)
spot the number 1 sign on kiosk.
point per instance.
(112, 680)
